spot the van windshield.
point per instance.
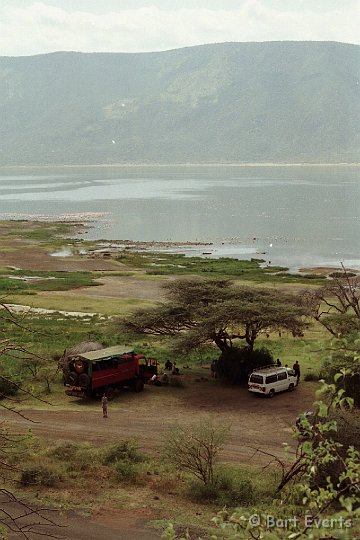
(256, 378)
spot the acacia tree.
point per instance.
(336, 305)
(217, 311)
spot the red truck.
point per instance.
(97, 372)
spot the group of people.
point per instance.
(296, 368)
(171, 366)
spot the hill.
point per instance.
(243, 102)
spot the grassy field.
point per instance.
(253, 270)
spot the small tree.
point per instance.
(194, 448)
(15, 514)
(337, 307)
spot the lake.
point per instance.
(298, 216)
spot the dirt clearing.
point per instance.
(148, 415)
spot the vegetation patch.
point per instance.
(179, 264)
(20, 281)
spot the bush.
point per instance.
(234, 490)
(125, 471)
(350, 382)
(311, 377)
(122, 451)
(40, 475)
(226, 490)
(236, 364)
(341, 274)
(7, 387)
(78, 457)
(194, 448)
(64, 451)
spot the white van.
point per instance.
(272, 379)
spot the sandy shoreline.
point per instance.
(150, 165)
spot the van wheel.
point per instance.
(291, 387)
(271, 393)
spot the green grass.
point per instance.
(177, 264)
(310, 350)
(15, 280)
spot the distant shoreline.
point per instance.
(217, 164)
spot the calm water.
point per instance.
(298, 216)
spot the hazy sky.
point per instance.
(32, 27)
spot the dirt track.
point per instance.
(255, 421)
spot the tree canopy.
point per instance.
(201, 311)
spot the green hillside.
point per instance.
(278, 101)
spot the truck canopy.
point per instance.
(104, 354)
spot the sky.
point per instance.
(30, 27)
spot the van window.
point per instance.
(271, 378)
(256, 378)
(291, 372)
(282, 376)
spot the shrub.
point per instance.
(234, 489)
(194, 448)
(7, 387)
(78, 457)
(122, 451)
(311, 377)
(226, 490)
(40, 475)
(126, 471)
(203, 493)
(341, 274)
(236, 364)
(347, 363)
(64, 451)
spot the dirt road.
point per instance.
(254, 420)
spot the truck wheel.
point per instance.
(72, 378)
(271, 393)
(84, 380)
(291, 387)
(139, 385)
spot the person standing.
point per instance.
(296, 368)
(213, 368)
(278, 363)
(104, 405)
